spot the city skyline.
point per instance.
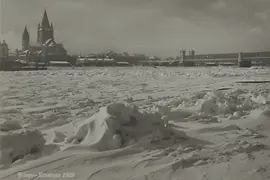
(151, 27)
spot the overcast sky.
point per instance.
(154, 27)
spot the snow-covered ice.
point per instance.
(136, 123)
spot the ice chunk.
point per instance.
(58, 137)
(9, 125)
(247, 105)
(15, 145)
(209, 106)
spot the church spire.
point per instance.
(45, 21)
(25, 39)
(25, 33)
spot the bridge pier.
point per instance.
(243, 62)
(183, 59)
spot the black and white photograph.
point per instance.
(135, 89)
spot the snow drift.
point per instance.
(118, 125)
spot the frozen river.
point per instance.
(49, 100)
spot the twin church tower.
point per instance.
(45, 32)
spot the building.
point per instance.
(45, 48)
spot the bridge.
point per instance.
(220, 60)
(240, 59)
(159, 62)
(229, 61)
(236, 61)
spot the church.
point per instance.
(45, 46)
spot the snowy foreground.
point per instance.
(135, 124)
